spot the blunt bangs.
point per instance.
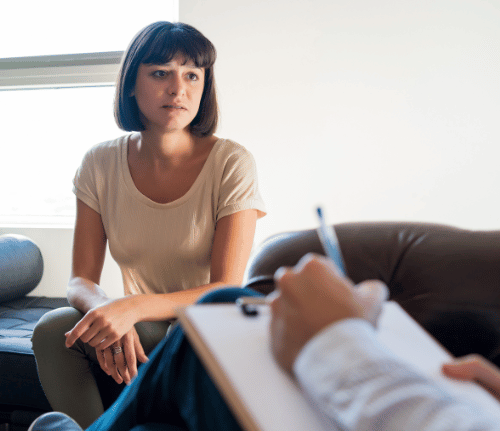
(170, 41)
(157, 44)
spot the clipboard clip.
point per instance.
(248, 304)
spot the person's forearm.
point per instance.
(84, 294)
(360, 385)
(163, 306)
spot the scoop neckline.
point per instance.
(129, 182)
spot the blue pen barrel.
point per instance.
(330, 243)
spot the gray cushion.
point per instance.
(21, 266)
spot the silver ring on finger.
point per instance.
(116, 350)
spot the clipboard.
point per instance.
(235, 350)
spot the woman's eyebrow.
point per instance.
(191, 66)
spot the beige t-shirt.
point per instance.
(165, 247)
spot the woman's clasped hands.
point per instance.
(109, 328)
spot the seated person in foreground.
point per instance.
(322, 333)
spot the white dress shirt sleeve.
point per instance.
(360, 385)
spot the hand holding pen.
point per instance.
(332, 250)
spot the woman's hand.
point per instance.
(475, 368)
(104, 325)
(120, 360)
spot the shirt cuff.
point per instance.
(333, 336)
(340, 347)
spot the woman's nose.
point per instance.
(176, 85)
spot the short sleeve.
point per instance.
(239, 189)
(84, 183)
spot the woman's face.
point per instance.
(169, 95)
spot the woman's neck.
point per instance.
(168, 147)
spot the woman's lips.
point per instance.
(173, 107)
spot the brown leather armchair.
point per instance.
(447, 278)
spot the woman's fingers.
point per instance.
(120, 363)
(106, 339)
(126, 352)
(82, 330)
(87, 329)
(130, 356)
(110, 366)
(102, 325)
(102, 360)
(139, 351)
(102, 339)
(120, 359)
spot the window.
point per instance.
(57, 79)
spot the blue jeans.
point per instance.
(172, 391)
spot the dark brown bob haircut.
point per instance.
(158, 43)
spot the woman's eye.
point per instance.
(193, 77)
(159, 73)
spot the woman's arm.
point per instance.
(231, 249)
(84, 293)
(232, 245)
(89, 247)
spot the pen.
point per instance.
(330, 242)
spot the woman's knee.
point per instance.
(53, 325)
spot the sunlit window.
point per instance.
(45, 134)
(49, 120)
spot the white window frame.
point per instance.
(55, 71)
(67, 70)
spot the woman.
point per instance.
(177, 205)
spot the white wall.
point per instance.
(385, 110)
(378, 110)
